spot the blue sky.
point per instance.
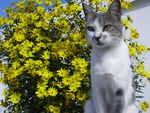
(4, 5)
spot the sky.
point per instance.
(4, 5)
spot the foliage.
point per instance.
(45, 56)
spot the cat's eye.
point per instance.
(107, 27)
(90, 28)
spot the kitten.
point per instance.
(111, 77)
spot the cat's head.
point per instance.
(104, 29)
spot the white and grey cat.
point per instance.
(111, 77)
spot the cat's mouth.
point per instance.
(100, 43)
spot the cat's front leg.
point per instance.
(98, 95)
(89, 107)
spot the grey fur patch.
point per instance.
(105, 18)
(119, 101)
(119, 92)
(90, 15)
(115, 9)
(113, 94)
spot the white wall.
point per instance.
(1, 97)
(141, 17)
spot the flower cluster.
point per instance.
(45, 58)
(45, 55)
(102, 5)
(144, 105)
(136, 52)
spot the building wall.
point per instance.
(141, 17)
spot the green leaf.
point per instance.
(139, 96)
(140, 91)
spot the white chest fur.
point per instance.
(114, 60)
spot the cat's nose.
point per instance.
(97, 38)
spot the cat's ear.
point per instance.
(115, 9)
(88, 12)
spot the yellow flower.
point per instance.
(4, 68)
(75, 62)
(70, 95)
(73, 88)
(35, 49)
(145, 73)
(83, 70)
(47, 16)
(125, 23)
(126, 5)
(51, 108)
(19, 37)
(2, 20)
(38, 63)
(60, 85)
(103, 9)
(83, 63)
(76, 37)
(79, 63)
(144, 105)
(46, 55)
(81, 96)
(74, 84)
(48, 2)
(41, 89)
(15, 98)
(15, 64)
(132, 51)
(44, 73)
(39, 24)
(137, 70)
(134, 33)
(20, 4)
(66, 80)
(40, 9)
(13, 73)
(39, 1)
(56, 110)
(62, 72)
(39, 94)
(141, 65)
(142, 48)
(77, 76)
(7, 45)
(52, 91)
(5, 92)
(34, 16)
(95, 1)
(29, 64)
(62, 54)
(75, 7)
(129, 19)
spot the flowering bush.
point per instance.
(45, 56)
